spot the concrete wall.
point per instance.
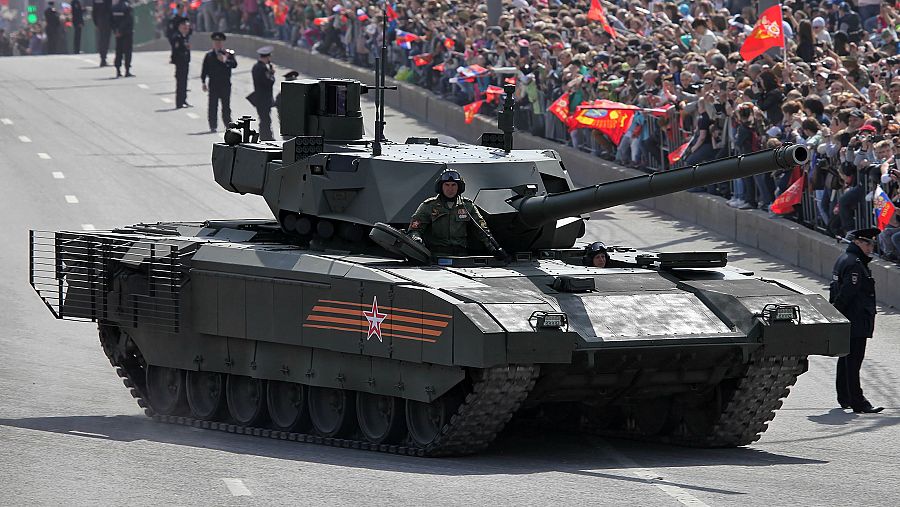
(783, 239)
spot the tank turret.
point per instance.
(325, 182)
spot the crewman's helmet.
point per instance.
(590, 251)
(449, 175)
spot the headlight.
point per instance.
(548, 320)
(781, 313)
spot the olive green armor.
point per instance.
(445, 225)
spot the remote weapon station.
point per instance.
(328, 325)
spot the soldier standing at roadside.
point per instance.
(261, 98)
(100, 12)
(181, 56)
(123, 28)
(852, 292)
(77, 25)
(217, 66)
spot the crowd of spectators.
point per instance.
(837, 91)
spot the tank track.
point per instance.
(759, 393)
(496, 395)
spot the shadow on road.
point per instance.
(519, 451)
(834, 417)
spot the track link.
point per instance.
(496, 395)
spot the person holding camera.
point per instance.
(217, 66)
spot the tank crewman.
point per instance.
(596, 255)
(445, 223)
(289, 76)
(852, 292)
(77, 25)
(217, 66)
(122, 23)
(100, 13)
(263, 80)
(181, 55)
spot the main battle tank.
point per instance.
(327, 325)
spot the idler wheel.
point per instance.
(205, 394)
(165, 390)
(331, 411)
(426, 420)
(246, 399)
(287, 406)
(381, 418)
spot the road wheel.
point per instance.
(381, 418)
(246, 400)
(205, 394)
(288, 410)
(425, 420)
(165, 390)
(331, 411)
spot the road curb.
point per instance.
(780, 238)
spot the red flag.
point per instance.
(449, 43)
(883, 208)
(439, 67)
(784, 203)
(768, 33)
(611, 118)
(194, 5)
(391, 13)
(320, 21)
(560, 108)
(493, 93)
(421, 60)
(470, 110)
(596, 13)
(676, 155)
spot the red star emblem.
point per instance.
(375, 319)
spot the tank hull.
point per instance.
(677, 355)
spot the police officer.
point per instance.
(263, 80)
(181, 56)
(100, 13)
(122, 24)
(289, 76)
(446, 222)
(53, 29)
(852, 292)
(596, 255)
(217, 65)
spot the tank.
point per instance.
(325, 324)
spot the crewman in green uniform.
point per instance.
(448, 221)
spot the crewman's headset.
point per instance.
(449, 175)
(592, 250)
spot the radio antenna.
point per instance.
(379, 88)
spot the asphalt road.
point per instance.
(82, 150)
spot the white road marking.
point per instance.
(167, 100)
(237, 488)
(25, 139)
(58, 175)
(88, 227)
(88, 60)
(193, 116)
(650, 476)
(142, 86)
(45, 156)
(71, 199)
(6, 121)
(87, 434)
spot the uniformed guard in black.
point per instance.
(180, 14)
(53, 29)
(217, 65)
(77, 25)
(261, 98)
(122, 23)
(100, 13)
(852, 292)
(181, 55)
(447, 222)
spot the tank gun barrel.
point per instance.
(538, 210)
